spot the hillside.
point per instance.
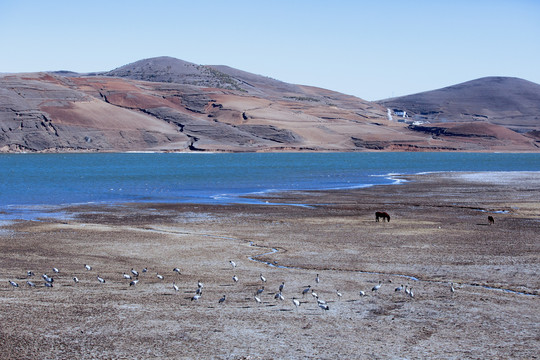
(166, 104)
(510, 102)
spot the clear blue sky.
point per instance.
(371, 49)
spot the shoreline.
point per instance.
(34, 212)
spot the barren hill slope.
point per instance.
(506, 101)
(166, 104)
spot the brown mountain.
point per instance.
(166, 104)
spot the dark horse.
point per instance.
(491, 220)
(383, 215)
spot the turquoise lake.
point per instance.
(30, 181)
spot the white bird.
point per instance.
(377, 287)
(176, 270)
(174, 286)
(133, 282)
(235, 278)
(306, 290)
(314, 294)
(411, 294)
(195, 297)
(407, 290)
(233, 264)
(134, 272)
(222, 300)
(30, 273)
(281, 286)
(13, 283)
(144, 270)
(319, 301)
(31, 284)
(87, 267)
(200, 284)
(278, 295)
(296, 303)
(56, 270)
(47, 284)
(362, 293)
(317, 280)
(452, 289)
(263, 279)
(75, 279)
(100, 279)
(160, 277)
(399, 288)
(127, 276)
(47, 278)
(257, 300)
(338, 293)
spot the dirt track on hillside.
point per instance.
(438, 234)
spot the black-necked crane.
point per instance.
(279, 296)
(175, 287)
(75, 279)
(258, 300)
(127, 276)
(324, 307)
(233, 264)
(13, 283)
(362, 293)
(30, 283)
(47, 278)
(177, 270)
(196, 297)
(399, 288)
(235, 278)
(259, 291)
(222, 300)
(100, 279)
(314, 294)
(133, 282)
(47, 284)
(411, 294)
(317, 279)
(306, 290)
(198, 291)
(87, 267)
(160, 277)
(200, 285)
(339, 294)
(263, 279)
(281, 286)
(134, 272)
(452, 289)
(30, 273)
(55, 270)
(144, 270)
(377, 287)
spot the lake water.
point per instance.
(29, 182)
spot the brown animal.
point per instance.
(383, 215)
(491, 220)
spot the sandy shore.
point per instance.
(438, 235)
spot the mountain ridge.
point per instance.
(167, 104)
